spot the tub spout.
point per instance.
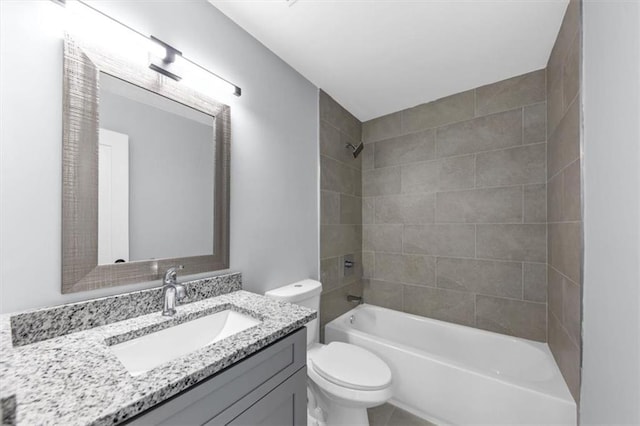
(356, 299)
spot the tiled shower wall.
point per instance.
(341, 209)
(454, 208)
(564, 199)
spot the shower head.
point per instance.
(356, 150)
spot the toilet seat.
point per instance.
(350, 366)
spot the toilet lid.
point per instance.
(351, 366)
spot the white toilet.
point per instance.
(343, 379)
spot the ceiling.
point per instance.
(376, 57)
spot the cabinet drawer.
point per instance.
(262, 372)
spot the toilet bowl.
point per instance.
(343, 379)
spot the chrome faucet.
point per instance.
(172, 292)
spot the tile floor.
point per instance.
(388, 415)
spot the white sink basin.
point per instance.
(149, 351)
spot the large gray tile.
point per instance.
(350, 209)
(358, 184)
(386, 238)
(445, 305)
(535, 203)
(367, 155)
(447, 110)
(379, 416)
(405, 149)
(514, 92)
(334, 303)
(338, 177)
(381, 181)
(535, 282)
(494, 131)
(332, 112)
(385, 127)
(455, 240)
(350, 275)
(336, 240)
(383, 293)
(555, 291)
(329, 207)
(329, 274)
(526, 242)
(400, 417)
(571, 193)
(512, 317)
(555, 107)
(368, 210)
(572, 310)
(535, 123)
(405, 268)
(440, 175)
(564, 143)
(368, 264)
(568, 30)
(493, 205)
(480, 276)
(567, 355)
(555, 188)
(406, 209)
(565, 248)
(514, 166)
(332, 144)
(571, 72)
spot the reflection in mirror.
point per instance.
(155, 176)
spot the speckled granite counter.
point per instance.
(75, 379)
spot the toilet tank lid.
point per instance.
(297, 291)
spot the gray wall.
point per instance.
(171, 163)
(454, 208)
(564, 208)
(611, 318)
(341, 208)
(274, 154)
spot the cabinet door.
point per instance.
(240, 386)
(285, 405)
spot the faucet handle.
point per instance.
(181, 292)
(171, 274)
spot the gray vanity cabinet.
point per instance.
(267, 388)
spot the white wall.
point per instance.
(275, 160)
(171, 166)
(611, 305)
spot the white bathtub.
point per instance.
(452, 374)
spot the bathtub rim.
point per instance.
(555, 387)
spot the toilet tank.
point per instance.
(304, 293)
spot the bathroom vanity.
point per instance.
(226, 357)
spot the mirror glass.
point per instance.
(155, 176)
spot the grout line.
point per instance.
(444, 256)
(445, 124)
(522, 264)
(563, 168)
(522, 128)
(340, 162)
(475, 102)
(524, 212)
(475, 170)
(468, 154)
(475, 241)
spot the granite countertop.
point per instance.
(74, 379)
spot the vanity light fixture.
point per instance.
(90, 23)
(165, 59)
